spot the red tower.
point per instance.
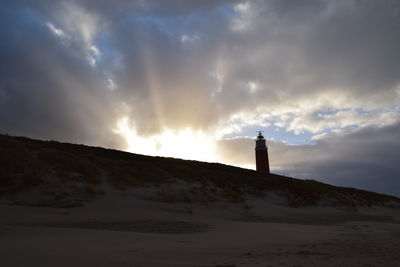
(262, 164)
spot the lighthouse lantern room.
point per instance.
(262, 164)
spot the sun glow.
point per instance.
(184, 143)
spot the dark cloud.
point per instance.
(366, 159)
(292, 52)
(301, 51)
(48, 91)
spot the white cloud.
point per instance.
(238, 121)
(80, 27)
(56, 31)
(111, 84)
(185, 38)
(317, 123)
(80, 22)
(242, 20)
(242, 8)
(253, 87)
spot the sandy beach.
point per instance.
(122, 229)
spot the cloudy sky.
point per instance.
(196, 79)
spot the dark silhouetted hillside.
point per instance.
(62, 174)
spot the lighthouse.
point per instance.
(262, 164)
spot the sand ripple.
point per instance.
(140, 226)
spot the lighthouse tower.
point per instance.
(262, 164)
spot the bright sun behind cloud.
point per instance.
(183, 143)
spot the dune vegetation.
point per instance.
(62, 174)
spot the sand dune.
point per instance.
(73, 205)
